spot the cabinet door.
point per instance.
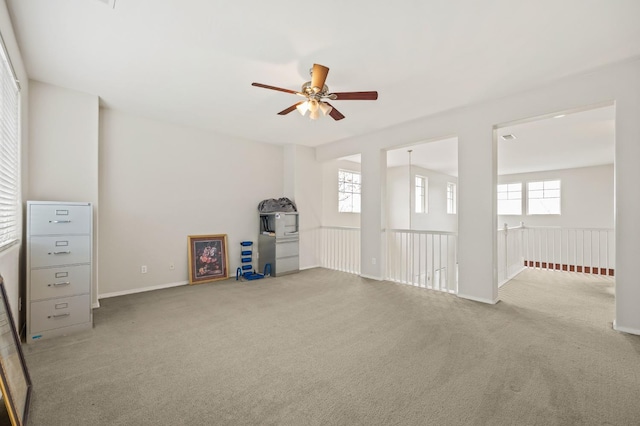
(58, 313)
(49, 283)
(58, 219)
(61, 250)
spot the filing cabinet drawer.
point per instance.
(61, 250)
(287, 265)
(60, 282)
(62, 312)
(47, 219)
(286, 249)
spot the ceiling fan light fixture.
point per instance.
(316, 92)
(326, 109)
(303, 108)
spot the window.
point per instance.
(9, 153)
(349, 186)
(543, 197)
(421, 194)
(510, 198)
(452, 198)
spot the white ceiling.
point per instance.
(577, 139)
(192, 62)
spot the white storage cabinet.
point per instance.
(278, 243)
(59, 268)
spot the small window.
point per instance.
(510, 199)
(349, 187)
(452, 198)
(421, 194)
(543, 197)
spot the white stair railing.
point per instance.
(340, 248)
(586, 250)
(425, 259)
(510, 252)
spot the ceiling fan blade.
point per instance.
(334, 113)
(355, 96)
(291, 108)
(279, 89)
(318, 76)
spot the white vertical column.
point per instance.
(477, 212)
(303, 184)
(627, 208)
(289, 168)
(373, 217)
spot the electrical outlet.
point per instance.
(143, 269)
(373, 260)
(172, 266)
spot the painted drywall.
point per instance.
(160, 183)
(10, 256)
(303, 184)
(63, 154)
(400, 186)
(330, 214)
(474, 126)
(586, 198)
(63, 159)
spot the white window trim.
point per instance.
(452, 208)
(424, 205)
(10, 195)
(523, 187)
(559, 213)
(353, 172)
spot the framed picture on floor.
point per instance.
(14, 377)
(208, 260)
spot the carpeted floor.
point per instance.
(328, 348)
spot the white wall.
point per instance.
(330, 214)
(63, 154)
(303, 185)
(474, 127)
(586, 198)
(63, 159)
(399, 186)
(160, 183)
(10, 257)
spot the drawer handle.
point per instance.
(61, 252)
(59, 284)
(59, 315)
(59, 221)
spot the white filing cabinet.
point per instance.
(59, 268)
(278, 243)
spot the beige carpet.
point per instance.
(328, 348)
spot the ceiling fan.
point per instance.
(317, 92)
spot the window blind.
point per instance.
(9, 153)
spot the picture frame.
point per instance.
(208, 260)
(15, 381)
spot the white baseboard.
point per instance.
(512, 276)
(309, 267)
(626, 329)
(142, 290)
(479, 299)
(371, 277)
